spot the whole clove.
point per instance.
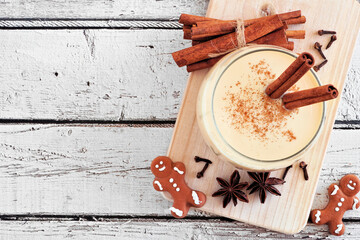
(318, 46)
(332, 39)
(303, 166)
(322, 32)
(200, 159)
(201, 173)
(317, 67)
(207, 163)
(286, 171)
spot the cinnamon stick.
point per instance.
(282, 16)
(291, 75)
(205, 50)
(289, 45)
(196, 42)
(188, 19)
(211, 28)
(273, 38)
(297, 34)
(203, 64)
(215, 27)
(299, 20)
(187, 33)
(209, 63)
(226, 43)
(290, 15)
(309, 96)
(277, 38)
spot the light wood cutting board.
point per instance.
(288, 213)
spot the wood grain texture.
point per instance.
(124, 9)
(105, 169)
(288, 214)
(99, 77)
(159, 229)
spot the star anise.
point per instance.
(263, 183)
(232, 190)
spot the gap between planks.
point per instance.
(88, 24)
(114, 218)
(145, 228)
(343, 125)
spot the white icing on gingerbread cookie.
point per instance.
(354, 205)
(195, 198)
(339, 227)
(178, 170)
(350, 187)
(336, 188)
(317, 215)
(162, 169)
(176, 211)
(158, 183)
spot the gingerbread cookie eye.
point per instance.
(157, 166)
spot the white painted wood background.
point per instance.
(89, 95)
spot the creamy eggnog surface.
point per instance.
(240, 120)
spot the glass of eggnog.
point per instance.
(244, 126)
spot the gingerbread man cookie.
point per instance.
(341, 198)
(170, 177)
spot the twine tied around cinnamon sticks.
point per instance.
(240, 37)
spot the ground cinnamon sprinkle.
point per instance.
(290, 135)
(251, 109)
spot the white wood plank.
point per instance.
(106, 75)
(98, 169)
(349, 107)
(130, 228)
(124, 9)
(90, 74)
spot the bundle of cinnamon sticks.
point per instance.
(214, 38)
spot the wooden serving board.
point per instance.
(288, 213)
